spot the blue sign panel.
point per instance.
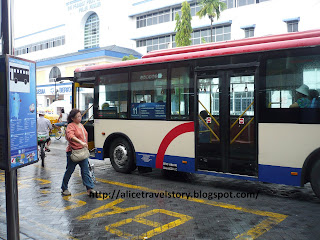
(148, 110)
(22, 112)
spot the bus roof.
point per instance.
(235, 43)
(303, 39)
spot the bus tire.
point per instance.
(315, 178)
(121, 156)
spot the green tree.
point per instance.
(212, 9)
(130, 57)
(183, 26)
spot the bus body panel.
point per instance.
(280, 175)
(175, 148)
(281, 163)
(272, 151)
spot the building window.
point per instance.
(195, 7)
(292, 26)
(248, 32)
(221, 33)
(153, 18)
(229, 3)
(175, 11)
(53, 42)
(54, 73)
(241, 3)
(91, 32)
(155, 43)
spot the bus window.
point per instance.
(113, 95)
(85, 102)
(293, 82)
(149, 94)
(241, 95)
(180, 90)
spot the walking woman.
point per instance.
(77, 137)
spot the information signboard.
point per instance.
(148, 110)
(19, 112)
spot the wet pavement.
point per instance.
(156, 205)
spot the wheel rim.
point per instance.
(120, 155)
(58, 134)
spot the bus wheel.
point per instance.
(121, 156)
(315, 178)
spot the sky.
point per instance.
(35, 15)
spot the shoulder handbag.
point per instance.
(78, 155)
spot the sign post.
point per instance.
(18, 128)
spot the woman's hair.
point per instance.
(204, 114)
(72, 114)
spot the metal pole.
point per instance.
(55, 89)
(7, 26)
(12, 207)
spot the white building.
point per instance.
(243, 18)
(88, 32)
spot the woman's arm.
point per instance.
(294, 105)
(75, 139)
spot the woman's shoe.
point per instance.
(66, 192)
(91, 192)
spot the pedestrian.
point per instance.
(77, 137)
(63, 117)
(302, 97)
(43, 127)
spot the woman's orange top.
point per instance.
(74, 130)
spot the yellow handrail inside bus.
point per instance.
(241, 130)
(88, 120)
(209, 128)
(270, 103)
(209, 113)
(87, 110)
(241, 115)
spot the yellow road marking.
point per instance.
(140, 218)
(45, 191)
(78, 203)
(115, 210)
(43, 203)
(261, 228)
(42, 181)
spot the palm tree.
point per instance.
(212, 8)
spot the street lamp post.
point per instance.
(55, 89)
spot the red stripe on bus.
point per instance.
(175, 132)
